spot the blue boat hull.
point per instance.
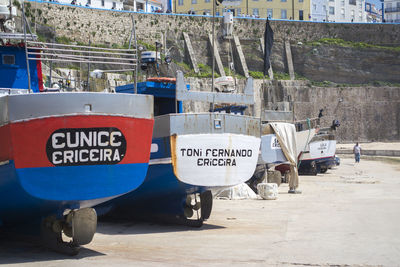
(161, 196)
(21, 197)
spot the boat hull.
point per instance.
(55, 162)
(189, 163)
(320, 155)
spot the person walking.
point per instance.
(357, 152)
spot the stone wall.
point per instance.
(365, 113)
(316, 63)
(102, 26)
(346, 64)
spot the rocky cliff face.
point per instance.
(366, 113)
(345, 64)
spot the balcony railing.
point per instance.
(393, 20)
(392, 9)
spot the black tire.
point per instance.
(314, 168)
(206, 200)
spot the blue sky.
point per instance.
(377, 3)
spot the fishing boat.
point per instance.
(61, 153)
(193, 155)
(319, 155)
(282, 144)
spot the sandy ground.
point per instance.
(348, 216)
(372, 146)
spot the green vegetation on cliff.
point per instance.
(343, 43)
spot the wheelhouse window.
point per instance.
(8, 59)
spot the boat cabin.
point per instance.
(14, 71)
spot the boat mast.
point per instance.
(26, 48)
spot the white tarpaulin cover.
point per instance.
(271, 151)
(286, 135)
(240, 191)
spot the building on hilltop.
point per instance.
(392, 11)
(276, 9)
(309, 10)
(346, 11)
(153, 6)
(318, 10)
(106, 4)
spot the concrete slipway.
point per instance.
(347, 217)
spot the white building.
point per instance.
(392, 11)
(346, 11)
(318, 10)
(144, 6)
(106, 4)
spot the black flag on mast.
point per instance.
(268, 42)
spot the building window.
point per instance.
(194, 1)
(352, 2)
(89, 2)
(332, 10)
(206, 1)
(269, 0)
(283, 14)
(283, 0)
(239, 11)
(342, 2)
(102, 2)
(270, 13)
(114, 5)
(301, 16)
(343, 14)
(180, 2)
(301, 1)
(139, 6)
(314, 6)
(255, 11)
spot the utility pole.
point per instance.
(292, 9)
(213, 56)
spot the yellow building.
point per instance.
(276, 9)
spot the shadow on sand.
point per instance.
(138, 227)
(24, 248)
(16, 248)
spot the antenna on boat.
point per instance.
(133, 34)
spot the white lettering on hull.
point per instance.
(86, 146)
(214, 159)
